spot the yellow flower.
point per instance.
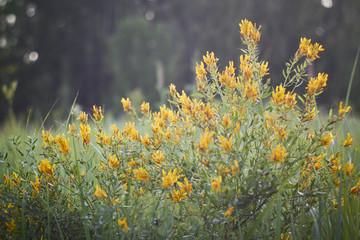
(348, 168)
(145, 140)
(85, 133)
(178, 195)
(216, 183)
(278, 154)
(97, 113)
(342, 110)
(348, 141)
(145, 108)
(290, 100)
(225, 143)
(355, 189)
(102, 138)
(226, 122)
(63, 144)
(249, 31)
(248, 72)
(99, 193)
(186, 186)
(131, 131)
(281, 132)
(264, 69)
(158, 157)
(126, 104)
(36, 184)
(244, 62)
(317, 84)
(210, 60)
(250, 91)
(113, 161)
(123, 223)
(200, 71)
(172, 89)
(45, 167)
(278, 97)
(205, 140)
(170, 178)
(229, 211)
(326, 140)
(309, 50)
(83, 117)
(141, 174)
(185, 102)
(72, 129)
(11, 226)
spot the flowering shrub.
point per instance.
(236, 159)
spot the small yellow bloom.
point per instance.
(186, 186)
(226, 122)
(178, 195)
(172, 89)
(342, 110)
(145, 140)
(85, 133)
(113, 161)
(200, 71)
(250, 91)
(83, 117)
(205, 140)
(229, 212)
(170, 178)
(141, 174)
(36, 184)
(216, 184)
(145, 108)
(264, 69)
(210, 60)
(97, 113)
(131, 131)
(225, 143)
(249, 31)
(126, 104)
(123, 223)
(72, 129)
(326, 140)
(348, 141)
(317, 84)
(278, 154)
(11, 226)
(63, 144)
(45, 167)
(348, 168)
(158, 157)
(99, 193)
(278, 97)
(355, 189)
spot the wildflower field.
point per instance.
(236, 160)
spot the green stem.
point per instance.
(83, 207)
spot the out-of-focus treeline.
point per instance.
(110, 49)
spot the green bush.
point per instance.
(236, 160)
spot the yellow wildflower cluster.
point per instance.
(309, 50)
(46, 168)
(249, 31)
(279, 97)
(100, 193)
(317, 84)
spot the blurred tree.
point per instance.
(105, 49)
